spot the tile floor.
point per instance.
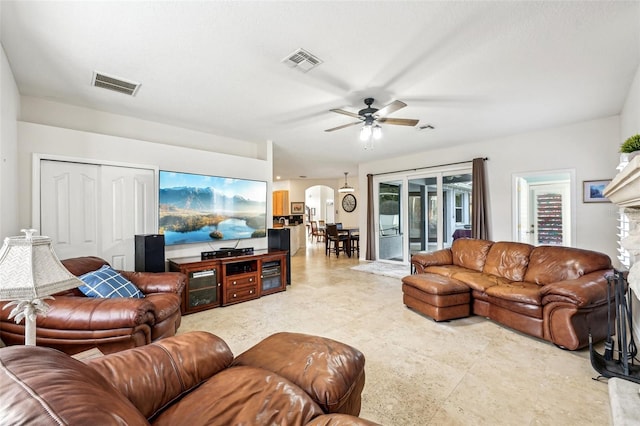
(419, 372)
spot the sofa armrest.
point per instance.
(153, 376)
(89, 313)
(420, 261)
(588, 290)
(157, 282)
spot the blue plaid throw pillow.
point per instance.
(106, 282)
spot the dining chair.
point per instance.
(335, 242)
(316, 232)
(355, 243)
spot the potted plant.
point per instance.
(630, 148)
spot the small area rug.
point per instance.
(383, 268)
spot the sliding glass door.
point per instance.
(421, 212)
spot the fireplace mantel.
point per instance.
(624, 190)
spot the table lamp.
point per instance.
(30, 272)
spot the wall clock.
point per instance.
(349, 203)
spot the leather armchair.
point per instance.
(76, 322)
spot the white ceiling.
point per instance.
(473, 70)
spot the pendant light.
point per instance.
(346, 187)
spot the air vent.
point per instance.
(302, 60)
(113, 83)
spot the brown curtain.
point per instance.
(371, 232)
(479, 208)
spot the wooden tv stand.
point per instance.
(228, 280)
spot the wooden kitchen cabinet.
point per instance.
(281, 203)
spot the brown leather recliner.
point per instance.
(189, 379)
(76, 323)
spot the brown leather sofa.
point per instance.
(190, 379)
(554, 293)
(76, 322)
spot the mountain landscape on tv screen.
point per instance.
(193, 214)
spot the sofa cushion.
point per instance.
(108, 283)
(479, 281)
(548, 264)
(518, 291)
(445, 270)
(242, 396)
(470, 253)
(508, 260)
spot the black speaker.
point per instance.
(150, 253)
(280, 239)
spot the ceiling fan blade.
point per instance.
(392, 107)
(341, 111)
(343, 126)
(399, 121)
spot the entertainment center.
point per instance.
(221, 281)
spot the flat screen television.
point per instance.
(198, 208)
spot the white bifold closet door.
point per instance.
(95, 210)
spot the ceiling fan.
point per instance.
(369, 115)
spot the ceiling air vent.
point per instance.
(115, 84)
(302, 60)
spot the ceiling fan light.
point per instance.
(377, 132)
(365, 132)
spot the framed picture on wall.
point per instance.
(593, 191)
(297, 208)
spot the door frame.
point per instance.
(515, 198)
(35, 178)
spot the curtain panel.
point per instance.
(371, 232)
(479, 208)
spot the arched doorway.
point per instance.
(319, 204)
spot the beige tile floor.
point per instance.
(419, 372)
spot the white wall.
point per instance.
(42, 139)
(9, 114)
(591, 148)
(43, 111)
(630, 116)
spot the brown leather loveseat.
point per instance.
(76, 322)
(190, 379)
(554, 293)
